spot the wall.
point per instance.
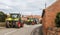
(50, 15)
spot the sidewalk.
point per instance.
(37, 31)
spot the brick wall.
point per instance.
(50, 15)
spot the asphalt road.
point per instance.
(26, 30)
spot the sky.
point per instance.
(25, 7)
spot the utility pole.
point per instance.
(45, 5)
(44, 10)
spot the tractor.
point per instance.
(32, 21)
(14, 21)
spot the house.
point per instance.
(31, 16)
(50, 16)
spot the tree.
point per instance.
(57, 20)
(2, 16)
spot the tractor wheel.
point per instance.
(7, 25)
(18, 25)
(13, 24)
(22, 25)
(33, 23)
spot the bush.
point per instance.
(57, 20)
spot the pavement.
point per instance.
(37, 31)
(26, 30)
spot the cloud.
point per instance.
(26, 13)
(3, 6)
(32, 6)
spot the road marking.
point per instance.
(10, 32)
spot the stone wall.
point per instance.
(53, 31)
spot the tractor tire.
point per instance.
(22, 25)
(7, 25)
(13, 25)
(33, 23)
(17, 25)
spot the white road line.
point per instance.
(10, 32)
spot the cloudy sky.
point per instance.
(26, 7)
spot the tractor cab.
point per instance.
(15, 15)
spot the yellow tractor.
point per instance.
(14, 20)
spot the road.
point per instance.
(26, 30)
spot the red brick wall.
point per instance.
(50, 15)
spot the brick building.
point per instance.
(49, 16)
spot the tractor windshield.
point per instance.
(15, 15)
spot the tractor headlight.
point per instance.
(9, 19)
(15, 19)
